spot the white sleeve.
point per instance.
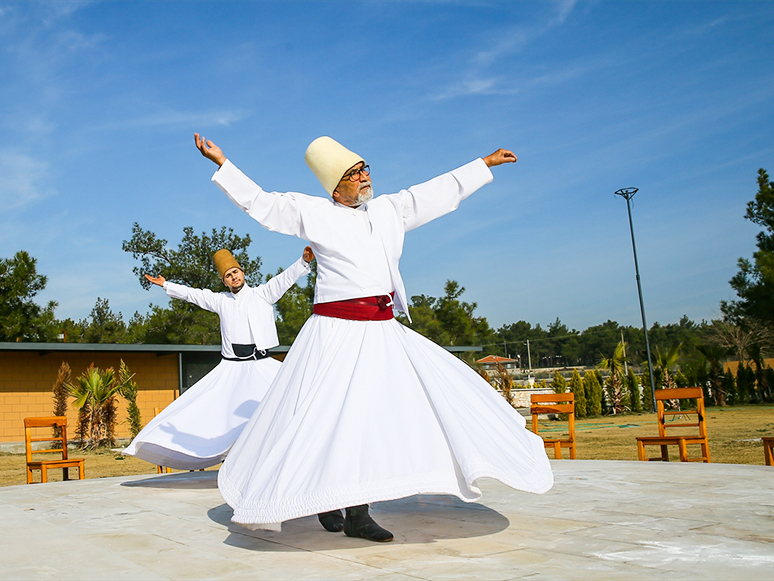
(424, 202)
(273, 290)
(278, 212)
(203, 298)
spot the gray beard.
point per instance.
(364, 197)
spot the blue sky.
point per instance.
(99, 101)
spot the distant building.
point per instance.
(162, 373)
(490, 362)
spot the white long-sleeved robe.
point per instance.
(364, 411)
(198, 428)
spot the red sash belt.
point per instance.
(361, 309)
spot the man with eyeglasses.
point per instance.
(364, 409)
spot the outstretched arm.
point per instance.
(159, 280)
(273, 290)
(209, 149)
(500, 157)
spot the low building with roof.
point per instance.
(162, 373)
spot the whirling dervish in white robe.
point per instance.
(367, 410)
(198, 428)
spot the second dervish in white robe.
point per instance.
(198, 428)
(364, 411)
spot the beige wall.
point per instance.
(732, 366)
(26, 379)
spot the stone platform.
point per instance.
(602, 520)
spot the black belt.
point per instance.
(247, 353)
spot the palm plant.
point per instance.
(94, 392)
(614, 386)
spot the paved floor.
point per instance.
(602, 520)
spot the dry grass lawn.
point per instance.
(734, 435)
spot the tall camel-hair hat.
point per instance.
(328, 159)
(225, 261)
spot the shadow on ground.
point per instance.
(179, 480)
(413, 520)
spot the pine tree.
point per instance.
(129, 392)
(59, 389)
(729, 388)
(742, 384)
(559, 383)
(577, 388)
(594, 391)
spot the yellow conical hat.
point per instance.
(329, 160)
(225, 261)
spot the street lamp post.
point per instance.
(628, 194)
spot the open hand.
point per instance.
(308, 254)
(159, 280)
(209, 149)
(500, 157)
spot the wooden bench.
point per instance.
(555, 403)
(768, 450)
(44, 466)
(682, 441)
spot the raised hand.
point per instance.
(209, 149)
(500, 157)
(308, 254)
(159, 280)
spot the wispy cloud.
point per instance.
(173, 118)
(22, 180)
(475, 81)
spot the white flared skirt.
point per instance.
(198, 428)
(371, 411)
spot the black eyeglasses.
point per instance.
(354, 175)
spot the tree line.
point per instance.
(693, 351)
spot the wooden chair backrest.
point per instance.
(553, 403)
(48, 422)
(680, 393)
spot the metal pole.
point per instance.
(529, 358)
(628, 193)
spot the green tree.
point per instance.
(729, 388)
(295, 307)
(578, 390)
(762, 388)
(593, 391)
(715, 354)
(129, 390)
(102, 325)
(559, 383)
(754, 283)
(61, 395)
(614, 386)
(745, 383)
(21, 318)
(95, 392)
(449, 320)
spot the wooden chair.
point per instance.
(555, 403)
(681, 441)
(161, 469)
(44, 466)
(768, 450)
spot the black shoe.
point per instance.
(358, 523)
(332, 520)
